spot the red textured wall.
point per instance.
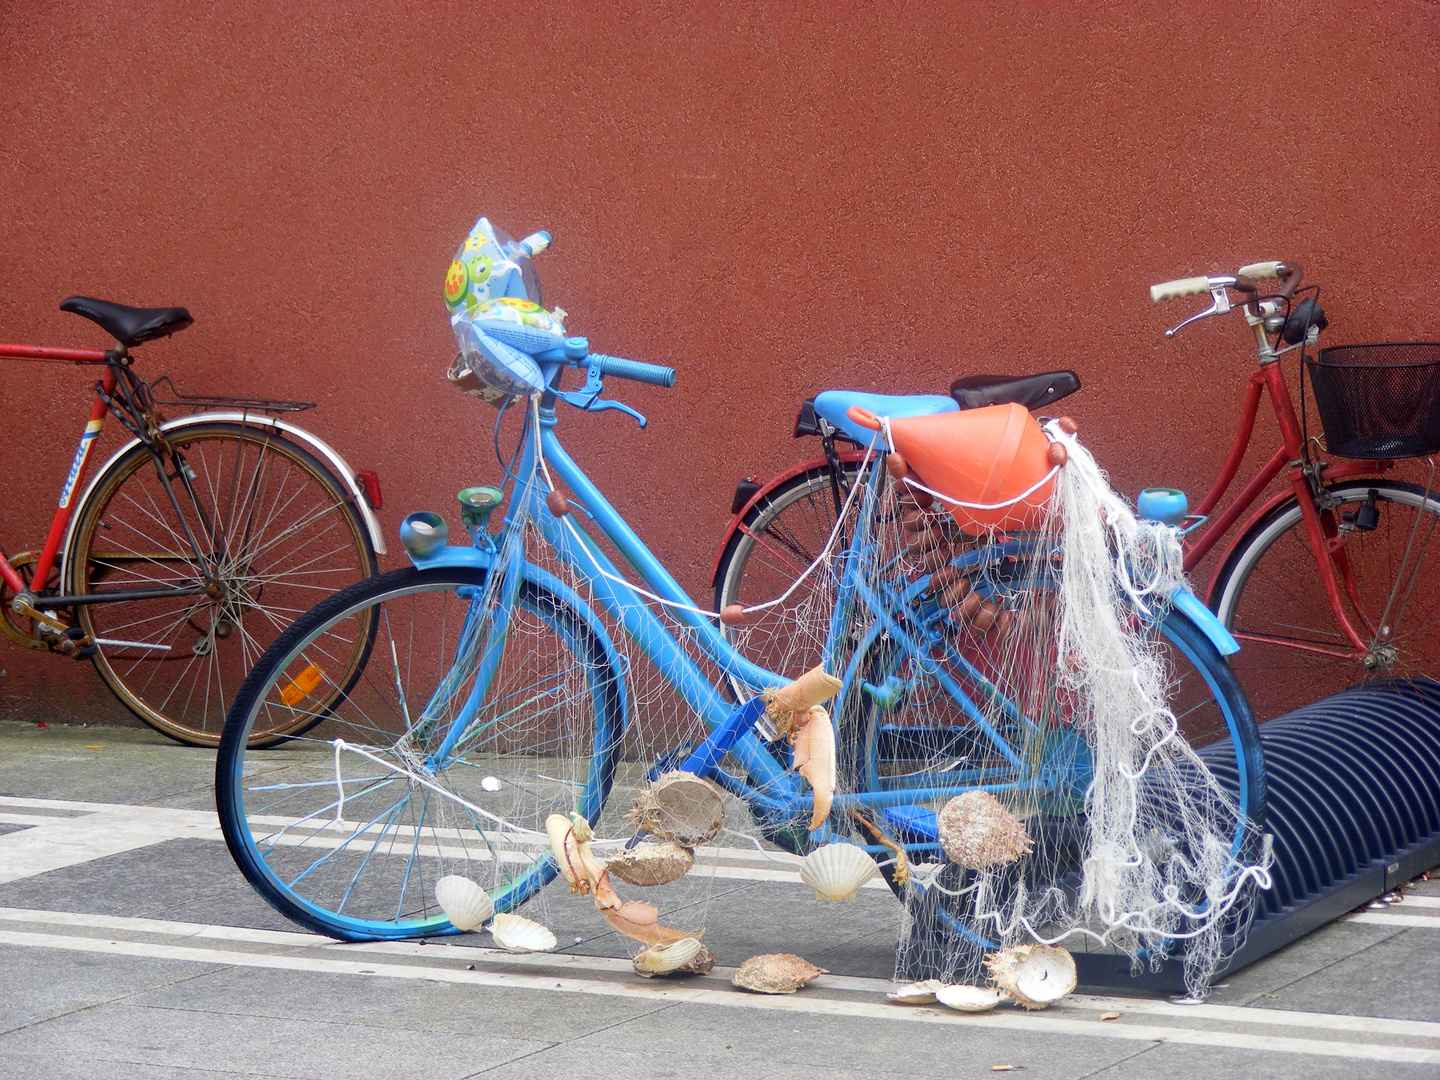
(774, 198)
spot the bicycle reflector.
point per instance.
(369, 481)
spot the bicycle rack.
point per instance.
(1354, 809)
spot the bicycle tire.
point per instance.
(186, 655)
(1206, 697)
(781, 535)
(1268, 586)
(359, 862)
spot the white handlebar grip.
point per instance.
(1261, 271)
(1174, 290)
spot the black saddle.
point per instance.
(129, 325)
(1032, 391)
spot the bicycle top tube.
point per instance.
(591, 563)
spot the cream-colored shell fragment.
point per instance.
(464, 903)
(836, 871)
(663, 959)
(1034, 975)
(968, 998)
(515, 933)
(681, 808)
(775, 973)
(916, 993)
(977, 832)
(651, 864)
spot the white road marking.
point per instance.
(55, 842)
(1011, 1020)
(1395, 918)
(1075, 1003)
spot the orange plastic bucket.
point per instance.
(986, 457)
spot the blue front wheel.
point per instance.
(347, 829)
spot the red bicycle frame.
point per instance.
(78, 468)
(1326, 543)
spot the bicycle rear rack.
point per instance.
(196, 402)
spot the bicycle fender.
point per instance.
(1205, 619)
(454, 555)
(769, 486)
(310, 442)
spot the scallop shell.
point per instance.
(464, 903)
(775, 973)
(681, 808)
(977, 832)
(651, 864)
(663, 959)
(700, 964)
(1034, 975)
(917, 993)
(836, 871)
(968, 998)
(514, 933)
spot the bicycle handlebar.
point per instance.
(635, 371)
(1182, 287)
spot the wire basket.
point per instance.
(1379, 401)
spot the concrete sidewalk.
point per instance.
(131, 947)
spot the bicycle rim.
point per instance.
(1269, 595)
(782, 536)
(347, 829)
(276, 533)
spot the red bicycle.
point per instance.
(194, 545)
(1323, 582)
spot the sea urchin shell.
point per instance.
(680, 807)
(775, 973)
(651, 864)
(1034, 975)
(978, 833)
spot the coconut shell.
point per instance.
(776, 973)
(977, 832)
(680, 808)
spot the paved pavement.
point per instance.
(130, 947)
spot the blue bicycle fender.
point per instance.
(485, 560)
(1205, 619)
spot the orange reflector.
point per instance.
(301, 685)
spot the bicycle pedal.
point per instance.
(76, 644)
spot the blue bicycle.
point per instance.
(500, 688)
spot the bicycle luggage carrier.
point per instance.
(1379, 401)
(208, 401)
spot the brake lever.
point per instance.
(1219, 306)
(588, 397)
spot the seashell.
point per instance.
(701, 964)
(814, 758)
(1034, 975)
(775, 973)
(977, 832)
(836, 871)
(570, 848)
(464, 903)
(681, 808)
(514, 933)
(917, 993)
(968, 998)
(663, 959)
(652, 864)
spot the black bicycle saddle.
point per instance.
(129, 325)
(1032, 391)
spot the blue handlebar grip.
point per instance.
(635, 371)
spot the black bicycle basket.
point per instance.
(1379, 401)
